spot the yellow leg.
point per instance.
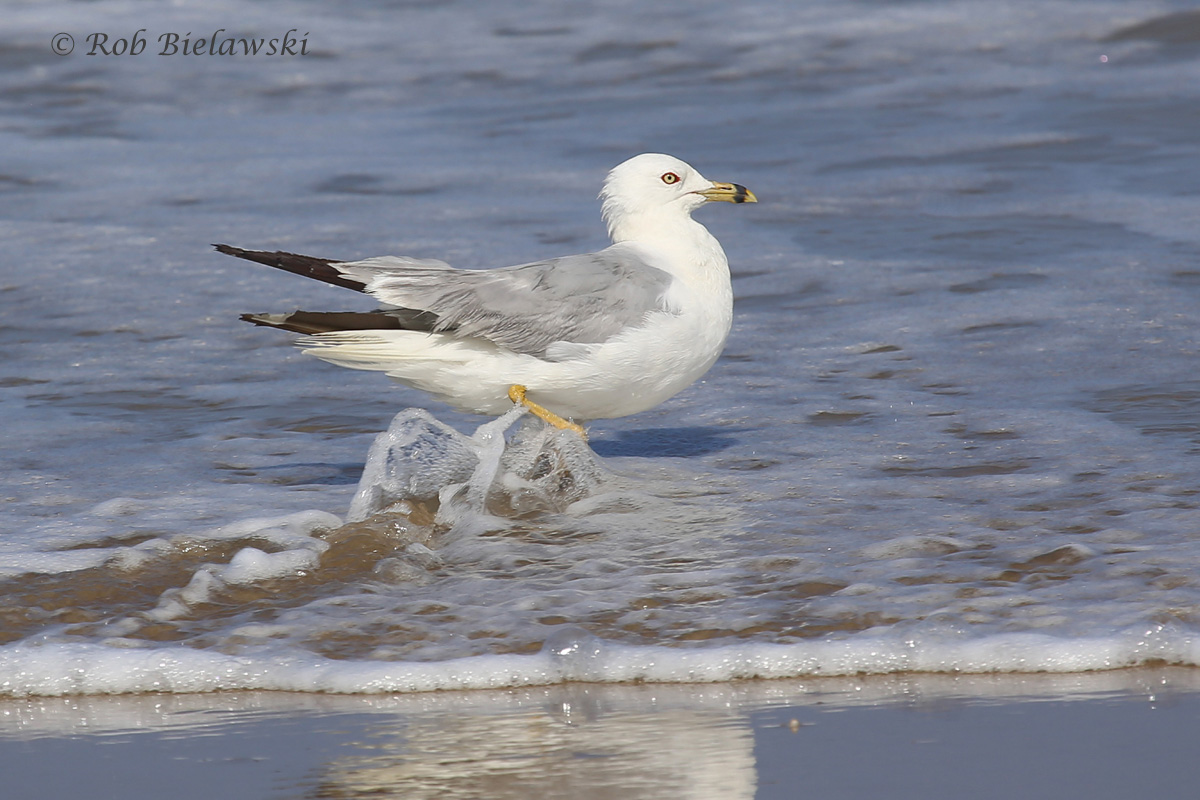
(516, 393)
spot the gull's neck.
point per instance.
(692, 252)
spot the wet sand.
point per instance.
(1096, 735)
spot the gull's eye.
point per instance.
(670, 177)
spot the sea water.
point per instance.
(955, 429)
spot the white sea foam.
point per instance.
(63, 669)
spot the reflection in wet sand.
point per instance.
(674, 752)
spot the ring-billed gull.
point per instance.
(582, 337)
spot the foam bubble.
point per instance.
(251, 565)
(412, 460)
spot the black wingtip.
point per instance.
(311, 322)
(308, 266)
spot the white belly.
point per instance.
(628, 374)
(632, 373)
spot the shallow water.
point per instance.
(1103, 735)
(954, 428)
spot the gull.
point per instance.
(574, 339)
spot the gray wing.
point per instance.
(583, 299)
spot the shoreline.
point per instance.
(909, 735)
